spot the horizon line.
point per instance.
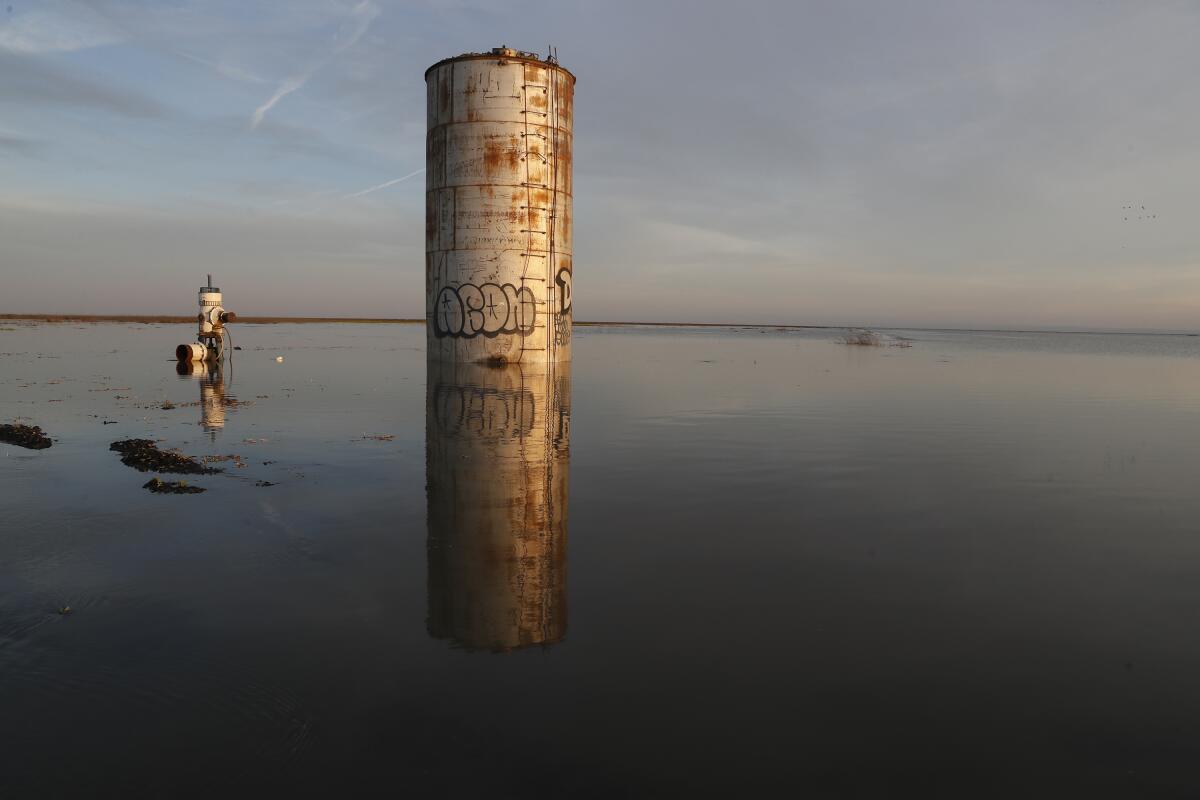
(278, 319)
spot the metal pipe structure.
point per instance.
(211, 327)
(498, 271)
(497, 457)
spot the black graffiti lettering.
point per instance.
(563, 279)
(488, 310)
(447, 313)
(497, 311)
(472, 299)
(562, 329)
(562, 320)
(526, 311)
(514, 306)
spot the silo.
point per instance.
(498, 266)
(497, 452)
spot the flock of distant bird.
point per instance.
(1134, 209)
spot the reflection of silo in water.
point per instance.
(496, 475)
(212, 393)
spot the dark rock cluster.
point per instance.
(144, 456)
(159, 486)
(30, 436)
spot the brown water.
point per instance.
(744, 562)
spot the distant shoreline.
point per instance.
(172, 319)
(184, 320)
(175, 319)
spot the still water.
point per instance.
(745, 562)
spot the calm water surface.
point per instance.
(729, 563)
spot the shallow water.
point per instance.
(963, 568)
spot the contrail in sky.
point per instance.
(226, 70)
(285, 88)
(362, 15)
(385, 184)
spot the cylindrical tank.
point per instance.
(497, 455)
(191, 352)
(498, 269)
(210, 298)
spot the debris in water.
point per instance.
(29, 436)
(236, 459)
(144, 456)
(862, 338)
(379, 437)
(868, 338)
(159, 486)
(279, 358)
(64, 610)
(263, 483)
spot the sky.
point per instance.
(949, 164)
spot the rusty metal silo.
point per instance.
(498, 266)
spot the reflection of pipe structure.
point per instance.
(496, 477)
(212, 392)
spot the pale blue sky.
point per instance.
(877, 163)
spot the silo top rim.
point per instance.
(504, 54)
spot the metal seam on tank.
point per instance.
(528, 201)
(550, 264)
(501, 62)
(485, 185)
(560, 131)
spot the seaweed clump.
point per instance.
(144, 456)
(29, 436)
(159, 486)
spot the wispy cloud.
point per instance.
(357, 23)
(55, 27)
(223, 69)
(287, 87)
(386, 184)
